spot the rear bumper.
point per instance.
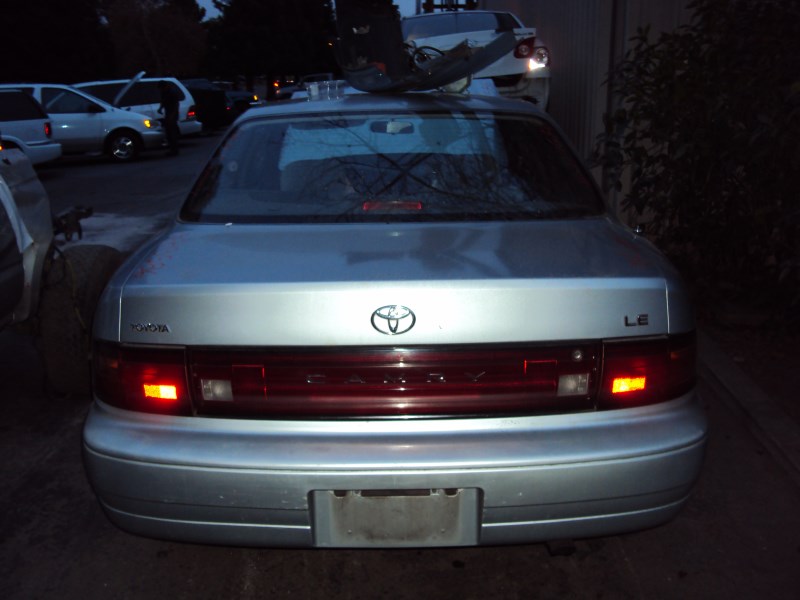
(254, 482)
(190, 127)
(42, 152)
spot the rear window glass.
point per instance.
(392, 168)
(147, 92)
(59, 101)
(19, 106)
(448, 23)
(104, 91)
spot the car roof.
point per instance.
(63, 86)
(407, 101)
(107, 81)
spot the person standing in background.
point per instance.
(169, 108)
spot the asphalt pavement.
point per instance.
(764, 414)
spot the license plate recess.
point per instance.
(396, 518)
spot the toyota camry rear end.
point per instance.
(394, 321)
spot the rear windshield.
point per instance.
(457, 22)
(104, 91)
(392, 168)
(147, 92)
(19, 106)
(142, 92)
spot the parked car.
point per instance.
(218, 106)
(57, 287)
(25, 125)
(394, 320)
(143, 96)
(85, 124)
(284, 92)
(242, 100)
(523, 73)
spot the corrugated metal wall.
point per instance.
(584, 37)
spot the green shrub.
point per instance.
(708, 133)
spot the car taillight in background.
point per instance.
(540, 59)
(395, 381)
(538, 56)
(191, 113)
(48, 129)
(525, 48)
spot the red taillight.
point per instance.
(48, 129)
(396, 381)
(192, 112)
(525, 48)
(645, 372)
(141, 379)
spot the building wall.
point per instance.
(585, 38)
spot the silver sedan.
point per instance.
(393, 321)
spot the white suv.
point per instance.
(85, 124)
(26, 126)
(142, 95)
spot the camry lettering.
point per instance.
(408, 378)
(150, 327)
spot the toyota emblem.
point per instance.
(393, 319)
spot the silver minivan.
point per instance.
(24, 125)
(85, 124)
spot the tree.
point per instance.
(162, 37)
(252, 37)
(709, 134)
(54, 41)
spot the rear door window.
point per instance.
(59, 101)
(19, 106)
(147, 92)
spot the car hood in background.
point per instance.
(319, 285)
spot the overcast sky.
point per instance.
(406, 7)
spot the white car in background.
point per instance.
(84, 124)
(24, 125)
(143, 96)
(523, 73)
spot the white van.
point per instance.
(25, 125)
(143, 96)
(85, 124)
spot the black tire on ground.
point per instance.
(73, 284)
